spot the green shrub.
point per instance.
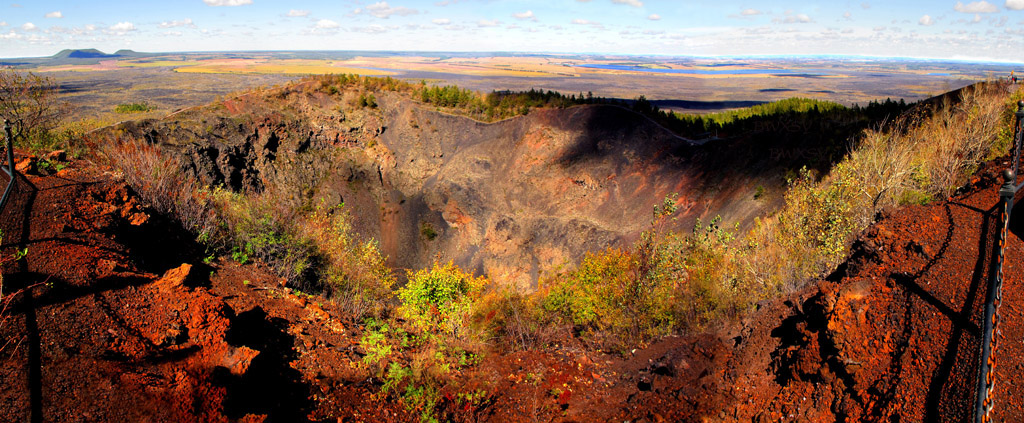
(126, 108)
(258, 227)
(620, 298)
(355, 271)
(512, 318)
(440, 299)
(914, 196)
(367, 100)
(821, 216)
(427, 230)
(416, 356)
(375, 342)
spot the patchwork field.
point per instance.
(167, 82)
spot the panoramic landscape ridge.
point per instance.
(529, 211)
(684, 83)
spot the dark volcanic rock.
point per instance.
(510, 199)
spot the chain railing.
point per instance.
(9, 170)
(985, 400)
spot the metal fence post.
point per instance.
(984, 401)
(10, 163)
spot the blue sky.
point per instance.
(979, 30)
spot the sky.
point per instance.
(973, 31)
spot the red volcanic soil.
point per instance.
(124, 322)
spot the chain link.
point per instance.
(997, 299)
(990, 379)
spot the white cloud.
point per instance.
(383, 10)
(584, 22)
(54, 14)
(326, 24)
(174, 33)
(847, 15)
(227, 2)
(976, 7)
(372, 29)
(3, 23)
(751, 12)
(926, 20)
(797, 18)
(634, 3)
(295, 13)
(175, 24)
(1015, 4)
(484, 23)
(524, 15)
(123, 27)
(29, 26)
(441, 21)
(654, 17)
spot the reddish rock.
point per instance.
(26, 165)
(237, 360)
(138, 219)
(59, 155)
(174, 278)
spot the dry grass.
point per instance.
(617, 298)
(159, 179)
(923, 156)
(315, 250)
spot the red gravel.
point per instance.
(121, 331)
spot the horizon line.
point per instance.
(956, 59)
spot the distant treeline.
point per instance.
(778, 115)
(788, 115)
(793, 112)
(496, 104)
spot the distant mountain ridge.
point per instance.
(80, 54)
(92, 53)
(74, 57)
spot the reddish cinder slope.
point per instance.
(130, 326)
(102, 336)
(893, 335)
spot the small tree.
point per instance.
(30, 103)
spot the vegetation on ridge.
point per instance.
(615, 299)
(29, 104)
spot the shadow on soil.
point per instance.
(952, 385)
(270, 386)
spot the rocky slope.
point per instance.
(119, 328)
(511, 199)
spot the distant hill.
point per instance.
(81, 54)
(73, 57)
